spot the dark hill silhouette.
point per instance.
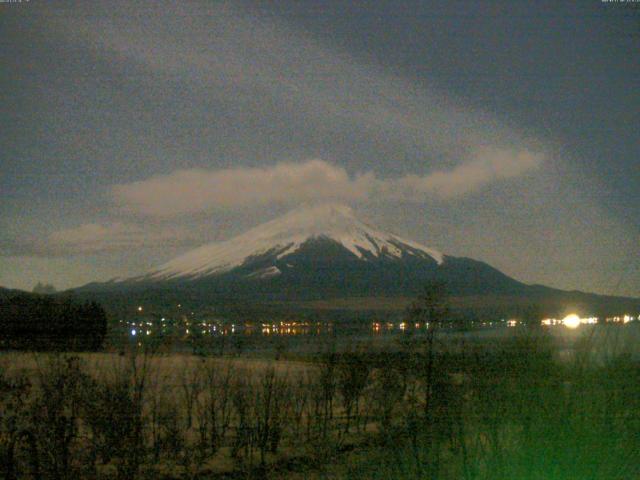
(43, 322)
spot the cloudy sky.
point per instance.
(133, 131)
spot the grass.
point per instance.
(504, 407)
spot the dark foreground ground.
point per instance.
(512, 404)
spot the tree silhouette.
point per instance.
(431, 310)
(42, 322)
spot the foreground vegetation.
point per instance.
(422, 409)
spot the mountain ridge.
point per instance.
(324, 252)
(287, 234)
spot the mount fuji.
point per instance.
(270, 249)
(322, 253)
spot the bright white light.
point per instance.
(571, 321)
(133, 332)
(139, 309)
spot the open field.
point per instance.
(167, 366)
(514, 407)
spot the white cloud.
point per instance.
(486, 165)
(198, 190)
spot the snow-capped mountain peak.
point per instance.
(284, 236)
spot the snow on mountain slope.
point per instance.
(285, 235)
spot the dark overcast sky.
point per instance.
(503, 131)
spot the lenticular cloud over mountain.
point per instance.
(199, 190)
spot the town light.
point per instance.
(571, 321)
